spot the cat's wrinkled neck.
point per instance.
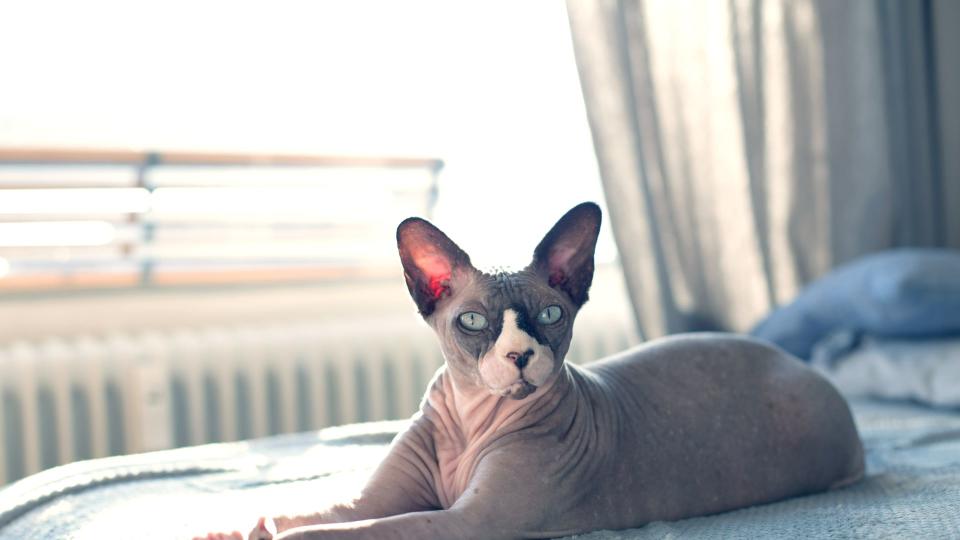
(477, 413)
(466, 419)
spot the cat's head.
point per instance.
(506, 332)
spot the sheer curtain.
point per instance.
(747, 147)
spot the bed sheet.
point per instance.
(912, 488)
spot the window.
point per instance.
(82, 219)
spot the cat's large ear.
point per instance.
(565, 255)
(431, 262)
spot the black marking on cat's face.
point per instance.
(525, 324)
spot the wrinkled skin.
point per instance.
(510, 442)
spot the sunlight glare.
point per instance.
(75, 201)
(56, 233)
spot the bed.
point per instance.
(912, 487)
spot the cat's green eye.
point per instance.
(471, 320)
(550, 315)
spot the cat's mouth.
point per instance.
(519, 389)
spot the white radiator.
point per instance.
(64, 400)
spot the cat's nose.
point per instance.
(520, 359)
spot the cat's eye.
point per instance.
(550, 315)
(471, 320)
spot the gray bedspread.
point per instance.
(912, 489)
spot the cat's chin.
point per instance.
(518, 390)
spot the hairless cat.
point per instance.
(511, 442)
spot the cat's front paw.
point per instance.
(265, 529)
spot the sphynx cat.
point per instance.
(511, 442)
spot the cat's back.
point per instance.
(705, 375)
(686, 359)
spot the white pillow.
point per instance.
(923, 370)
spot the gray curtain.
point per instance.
(749, 146)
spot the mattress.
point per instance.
(912, 487)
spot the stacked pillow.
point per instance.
(886, 325)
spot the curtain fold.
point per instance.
(746, 147)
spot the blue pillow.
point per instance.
(900, 293)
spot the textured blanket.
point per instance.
(912, 489)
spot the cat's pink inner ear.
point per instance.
(436, 268)
(559, 263)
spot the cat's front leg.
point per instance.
(506, 499)
(435, 524)
(402, 483)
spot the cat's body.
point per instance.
(682, 427)
(511, 442)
